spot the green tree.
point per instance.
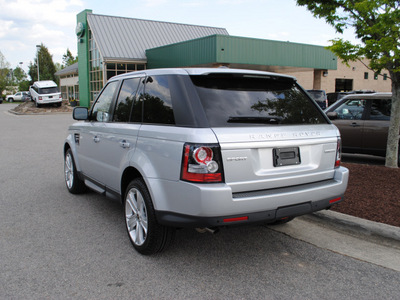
(4, 73)
(68, 59)
(377, 25)
(24, 85)
(46, 66)
(19, 75)
(20, 78)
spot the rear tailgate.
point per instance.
(259, 158)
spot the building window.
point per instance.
(95, 68)
(376, 76)
(64, 92)
(343, 85)
(385, 76)
(365, 75)
(121, 68)
(76, 92)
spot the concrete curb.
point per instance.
(358, 225)
(38, 114)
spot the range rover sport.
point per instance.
(204, 148)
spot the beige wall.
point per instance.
(69, 81)
(355, 72)
(305, 79)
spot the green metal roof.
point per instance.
(241, 52)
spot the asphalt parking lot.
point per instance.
(55, 245)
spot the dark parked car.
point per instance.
(320, 97)
(363, 121)
(333, 97)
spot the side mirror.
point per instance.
(80, 113)
(332, 115)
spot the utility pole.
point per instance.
(38, 49)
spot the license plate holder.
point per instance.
(286, 156)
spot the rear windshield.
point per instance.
(238, 100)
(49, 90)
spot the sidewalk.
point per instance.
(358, 238)
(366, 227)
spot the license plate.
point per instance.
(286, 156)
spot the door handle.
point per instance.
(124, 144)
(354, 124)
(96, 139)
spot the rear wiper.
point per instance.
(251, 119)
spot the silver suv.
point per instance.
(204, 148)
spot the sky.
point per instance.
(27, 23)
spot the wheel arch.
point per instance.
(66, 147)
(129, 174)
(69, 145)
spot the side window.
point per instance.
(157, 101)
(102, 108)
(352, 109)
(126, 100)
(380, 109)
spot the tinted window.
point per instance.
(317, 95)
(380, 109)
(102, 108)
(126, 99)
(157, 101)
(49, 90)
(351, 109)
(236, 100)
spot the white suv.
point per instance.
(204, 148)
(45, 92)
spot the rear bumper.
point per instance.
(184, 204)
(179, 220)
(49, 101)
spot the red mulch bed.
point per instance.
(373, 193)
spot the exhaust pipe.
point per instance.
(209, 230)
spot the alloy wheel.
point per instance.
(136, 217)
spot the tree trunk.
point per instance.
(392, 149)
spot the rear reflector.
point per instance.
(335, 200)
(236, 219)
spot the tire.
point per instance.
(146, 235)
(10, 99)
(398, 157)
(37, 104)
(74, 184)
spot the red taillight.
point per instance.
(201, 163)
(338, 153)
(40, 98)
